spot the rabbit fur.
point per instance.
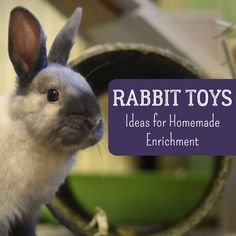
(51, 114)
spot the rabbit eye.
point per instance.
(52, 95)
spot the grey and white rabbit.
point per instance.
(51, 114)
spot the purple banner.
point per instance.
(172, 117)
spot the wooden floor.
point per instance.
(209, 233)
(43, 230)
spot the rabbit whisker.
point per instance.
(102, 65)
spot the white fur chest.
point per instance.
(29, 175)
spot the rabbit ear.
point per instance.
(26, 45)
(64, 41)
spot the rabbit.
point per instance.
(51, 114)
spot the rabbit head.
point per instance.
(55, 104)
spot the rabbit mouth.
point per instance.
(76, 139)
(94, 137)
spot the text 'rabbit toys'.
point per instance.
(51, 115)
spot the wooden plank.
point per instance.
(96, 12)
